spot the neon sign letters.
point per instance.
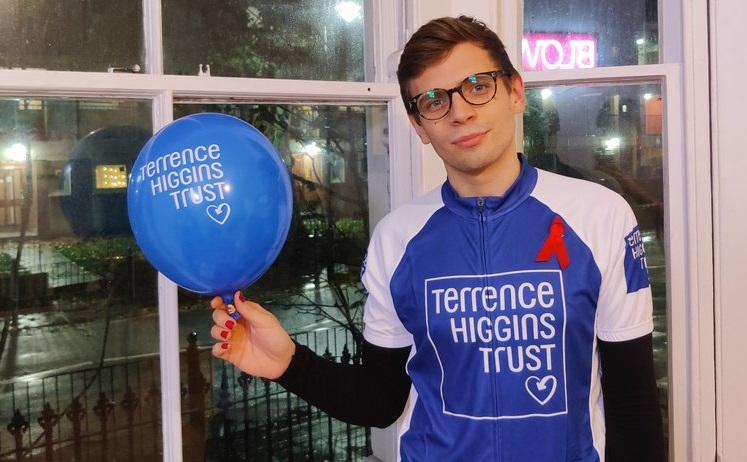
(558, 51)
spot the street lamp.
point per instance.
(312, 149)
(348, 11)
(17, 152)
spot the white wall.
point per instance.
(729, 67)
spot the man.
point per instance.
(509, 314)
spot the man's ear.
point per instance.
(518, 94)
(419, 129)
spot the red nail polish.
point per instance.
(224, 346)
(230, 324)
(241, 297)
(224, 334)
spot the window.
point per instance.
(312, 40)
(581, 34)
(111, 176)
(81, 36)
(80, 328)
(313, 288)
(601, 106)
(611, 135)
(96, 344)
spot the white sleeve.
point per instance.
(606, 223)
(625, 306)
(382, 325)
(385, 252)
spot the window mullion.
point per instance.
(168, 330)
(50, 83)
(153, 27)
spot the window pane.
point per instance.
(71, 36)
(611, 135)
(313, 288)
(589, 33)
(79, 365)
(288, 39)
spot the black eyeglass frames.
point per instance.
(477, 89)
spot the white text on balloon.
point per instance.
(186, 176)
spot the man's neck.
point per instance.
(492, 181)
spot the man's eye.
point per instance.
(478, 89)
(433, 104)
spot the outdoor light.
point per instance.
(17, 152)
(348, 11)
(546, 93)
(612, 143)
(312, 149)
(647, 96)
(640, 41)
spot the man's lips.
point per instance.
(470, 140)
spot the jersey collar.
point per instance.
(492, 206)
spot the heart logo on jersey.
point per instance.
(541, 389)
(219, 213)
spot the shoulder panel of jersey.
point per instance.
(606, 223)
(387, 246)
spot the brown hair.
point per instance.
(434, 40)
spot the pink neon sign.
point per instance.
(558, 51)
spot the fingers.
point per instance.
(217, 303)
(253, 312)
(220, 349)
(220, 333)
(223, 322)
(252, 317)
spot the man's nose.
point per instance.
(460, 108)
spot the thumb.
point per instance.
(251, 311)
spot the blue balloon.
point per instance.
(210, 203)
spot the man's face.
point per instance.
(476, 143)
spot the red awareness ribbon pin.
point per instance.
(555, 245)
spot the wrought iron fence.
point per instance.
(113, 412)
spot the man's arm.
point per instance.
(372, 393)
(631, 401)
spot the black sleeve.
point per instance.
(371, 394)
(631, 401)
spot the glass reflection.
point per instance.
(79, 365)
(72, 36)
(581, 34)
(611, 135)
(312, 40)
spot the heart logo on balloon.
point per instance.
(219, 213)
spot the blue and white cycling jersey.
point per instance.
(502, 299)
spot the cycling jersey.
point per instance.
(502, 300)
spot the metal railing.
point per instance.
(113, 412)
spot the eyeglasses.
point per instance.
(477, 89)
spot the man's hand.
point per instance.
(256, 343)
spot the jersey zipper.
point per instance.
(482, 219)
